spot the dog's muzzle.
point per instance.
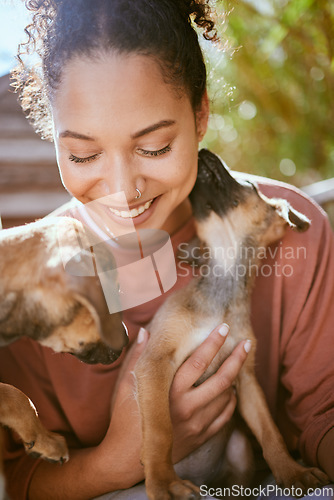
(98, 352)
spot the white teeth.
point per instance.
(130, 214)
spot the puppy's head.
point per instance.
(221, 203)
(57, 302)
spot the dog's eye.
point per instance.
(208, 206)
(235, 203)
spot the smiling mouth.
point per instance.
(131, 214)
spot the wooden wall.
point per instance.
(30, 185)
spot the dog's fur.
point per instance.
(229, 214)
(60, 306)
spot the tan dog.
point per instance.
(230, 215)
(48, 293)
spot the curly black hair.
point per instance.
(62, 29)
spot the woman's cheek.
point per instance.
(71, 181)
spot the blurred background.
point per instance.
(271, 85)
(30, 186)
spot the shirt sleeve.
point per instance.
(19, 467)
(307, 337)
(22, 365)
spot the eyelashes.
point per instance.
(77, 159)
(159, 152)
(142, 152)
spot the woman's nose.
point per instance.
(118, 179)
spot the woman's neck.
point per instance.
(178, 218)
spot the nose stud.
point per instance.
(138, 195)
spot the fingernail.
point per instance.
(248, 345)
(141, 335)
(224, 329)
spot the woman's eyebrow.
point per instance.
(76, 135)
(153, 128)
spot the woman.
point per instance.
(122, 94)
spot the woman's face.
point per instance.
(118, 126)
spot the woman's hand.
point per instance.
(123, 437)
(197, 412)
(200, 412)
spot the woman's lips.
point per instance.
(134, 216)
(134, 212)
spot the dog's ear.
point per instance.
(285, 216)
(82, 277)
(89, 293)
(84, 258)
(296, 220)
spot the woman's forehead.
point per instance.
(126, 87)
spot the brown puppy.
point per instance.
(237, 219)
(50, 292)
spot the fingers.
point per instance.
(226, 374)
(213, 399)
(203, 425)
(215, 414)
(223, 418)
(192, 369)
(221, 408)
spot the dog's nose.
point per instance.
(215, 188)
(97, 353)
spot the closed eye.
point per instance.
(78, 159)
(158, 152)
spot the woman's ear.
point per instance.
(202, 117)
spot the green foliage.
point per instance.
(272, 89)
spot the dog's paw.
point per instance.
(50, 446)
(303, 479)
(183, 489)
(177, 489)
